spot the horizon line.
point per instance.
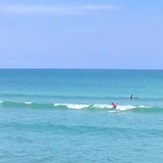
(28, 68)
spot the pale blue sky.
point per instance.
(125, 34)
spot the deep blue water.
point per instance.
(66, 116)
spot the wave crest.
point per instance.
(75, 106)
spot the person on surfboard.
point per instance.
(131, 97)
(114, 105)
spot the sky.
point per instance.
(87, 34)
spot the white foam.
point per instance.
(28, 103)
(119, 107)
(102, 106)
(73, 106)
(1, 102)
(125, 107)
(99, 106)
(143, 106)
(122, 108)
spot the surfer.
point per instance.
(131, 97)
(114, 105)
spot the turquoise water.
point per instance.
(66, 116)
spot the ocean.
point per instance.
(66, 116)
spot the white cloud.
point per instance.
(54, 10)
(102, 7)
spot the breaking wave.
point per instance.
(75, 106)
